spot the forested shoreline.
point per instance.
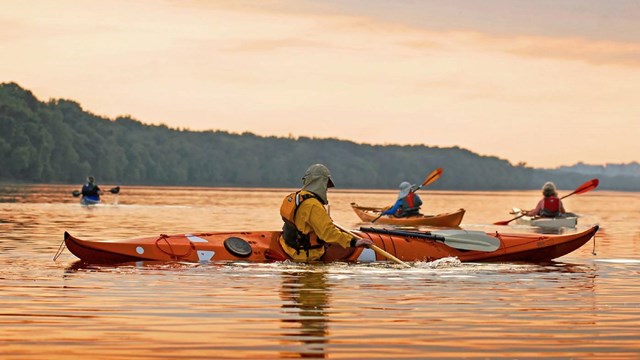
(59, 142)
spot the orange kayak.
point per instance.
(368, 214)
(262, 246)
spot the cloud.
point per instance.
(260, 69)
(266, 45)
(594, 52)
(303, 25)
(577, 49)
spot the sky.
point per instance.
(541, 82)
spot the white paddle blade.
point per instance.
(468, 240)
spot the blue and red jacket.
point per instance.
(408, 205)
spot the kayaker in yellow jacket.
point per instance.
(308, 230)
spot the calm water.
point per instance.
(581, 306)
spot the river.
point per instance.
(579, 306)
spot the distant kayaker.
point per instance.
(550, 205)
(408, 203)
(90, 190)
(308, 230)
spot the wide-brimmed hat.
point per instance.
(317, 179)
(405, 189)
(318, 171)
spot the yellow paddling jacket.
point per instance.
(308, 227)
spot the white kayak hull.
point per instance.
(549, 223)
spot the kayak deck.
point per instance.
(549, 223)
(369, 214)
(264, 246)
(89, 200)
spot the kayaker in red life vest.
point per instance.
(308, 230)
(408, 203)
(550, 205)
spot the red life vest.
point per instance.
(551, 204)
(410, 206)
(411, 200)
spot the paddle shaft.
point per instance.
(521, 215)
(587, 186)
(376, 248)
(421, 235)
(433, 176)
(510, 220)
(114, 190)
(388, 256)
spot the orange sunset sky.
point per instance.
(544, 82)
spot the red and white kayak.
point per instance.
(567, 220)
(260, 246)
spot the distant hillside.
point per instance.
(58, 142)
(631, 169)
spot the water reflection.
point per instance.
(306, 297)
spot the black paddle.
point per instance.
(114, 190)
(457, 239)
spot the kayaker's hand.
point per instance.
(360, 242)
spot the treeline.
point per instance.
(58, 142)
(630, 169)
